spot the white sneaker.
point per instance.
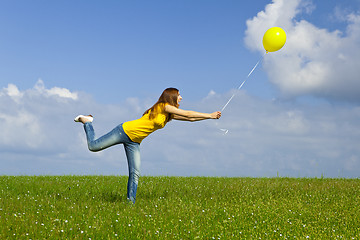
(88, 118)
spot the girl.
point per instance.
(131, 133)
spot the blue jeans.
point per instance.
(132, 150)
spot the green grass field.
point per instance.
(95, 207)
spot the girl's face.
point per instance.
(179, 99)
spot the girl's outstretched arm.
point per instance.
(186, 115)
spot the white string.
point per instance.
(252, 70)
(242, 83)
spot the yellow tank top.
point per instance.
(140, 128)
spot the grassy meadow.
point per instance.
(95, 207)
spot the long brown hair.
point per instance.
(170, 96)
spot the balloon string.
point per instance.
(243, 82)
(224, 130)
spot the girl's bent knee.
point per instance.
(93, 149)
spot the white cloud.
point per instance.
(12, 91)
(264, 138)
(314, 61)
(39, 136)
(39, 89)
(24, 115)
(55, 91)
(21, 122)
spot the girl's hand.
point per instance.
(215, 115)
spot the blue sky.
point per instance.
(298, 114)
(90, 45)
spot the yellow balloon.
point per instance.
(274, 39)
